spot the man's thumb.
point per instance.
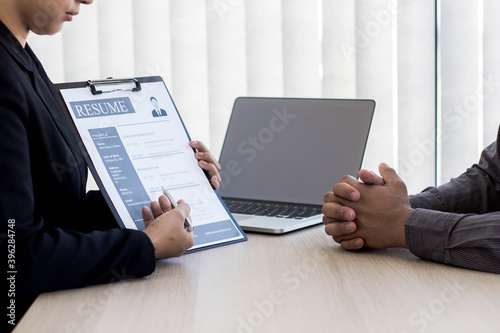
(389, 174)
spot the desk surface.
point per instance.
(299, 282)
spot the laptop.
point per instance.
(281, 155)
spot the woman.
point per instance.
(63, 237)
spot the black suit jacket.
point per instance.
(162, 113)
(63, 237)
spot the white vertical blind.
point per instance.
(264, 39)
(81, 46)
(339, 49)
(227, 75)
(416, 93)
(189, 78)
(116, 38)
(151, 39)
(375, 57)
(491, 70)
(459, 75)
(209, 52)
(301, 48)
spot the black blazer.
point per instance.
(162, 113)
(42, 190)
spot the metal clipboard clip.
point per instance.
(129, 85)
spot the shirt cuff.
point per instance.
(427, 233)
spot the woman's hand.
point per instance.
(207, 162)
(165, 228)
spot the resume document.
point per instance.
(136, 143)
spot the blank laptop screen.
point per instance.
(292, 150)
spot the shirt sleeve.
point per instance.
(475, 191)
(463, 240)
(458, 223)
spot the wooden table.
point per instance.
(299, 282)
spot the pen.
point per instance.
(187, 222)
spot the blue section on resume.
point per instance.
(122, 172)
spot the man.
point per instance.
(157, 112)
(457, 223)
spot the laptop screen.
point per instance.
(290, 149)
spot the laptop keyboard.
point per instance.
(271, 209)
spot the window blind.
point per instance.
(431, 66)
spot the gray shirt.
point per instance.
(458, 223)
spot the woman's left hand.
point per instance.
(207, 162)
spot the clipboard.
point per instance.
(135, 142)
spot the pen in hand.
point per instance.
(187, 222)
